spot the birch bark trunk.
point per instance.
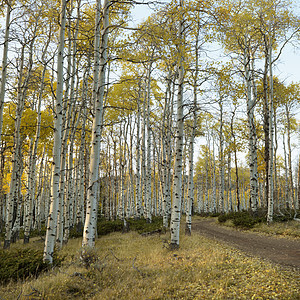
(33, 155)
(138, 200)
(190, 198)
(221, 157)
(54, 201)
(252, 131)
(290, 171)
(271, 143)
(177, 189)
(4, 63)
(17, 165)
(149, 171)
(89, 232)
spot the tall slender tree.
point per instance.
(89, 232)
(54, 201)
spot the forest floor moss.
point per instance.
(131, 266)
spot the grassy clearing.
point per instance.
(290, 229)
(129, 266)
(286, 229)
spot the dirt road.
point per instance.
(282, 251)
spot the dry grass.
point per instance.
(286, 229)
(290, 229)
(133, 267)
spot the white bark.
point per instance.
(33, 154)
(4, 63)
(177, 188)
(166, 148)
(290, 171)
(17, 167)
(190, 199)
(54, 201)
(89, 232)
(230, 204)
(271, 144)
(252, 132)
(148, 168)
(221, 162)
(138, 200)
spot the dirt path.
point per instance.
(282, 251)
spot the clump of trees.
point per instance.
(100, 116)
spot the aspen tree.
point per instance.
(32, 162)
(166, 150)
(190, 201)
(80, 207)
(221, 160)
(298, 185)
(89, 232)
(138, 200)
(271, 143)
(148, 167)
(4, 62)
(213, 207)
(177, 189)
(17, 164)
(54, 201)
(68, 121)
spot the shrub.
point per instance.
(18, 264)
(105, 227)
(142, 226)
(76, 231)
(223, 218)
(243, 219)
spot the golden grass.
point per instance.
(135, 267)
(290, 229)
(286, 229)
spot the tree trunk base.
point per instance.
(26, 239)
(15, 236)
(125, 227)
(6, 244)
(173, 246)
(188, 231)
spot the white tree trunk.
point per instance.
(148, 168)
(271, 144)
(4, 62)
(177, 188)
(54, 201)
(252, 133)
(221, 162)
(138, 199)
(32, 161)
(89, 232)
(17, 167)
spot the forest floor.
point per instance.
(281, 250)
(208, 265)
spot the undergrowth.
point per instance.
(243, 219)
(248, 219)
(131, 266)
(283, 222)
(105, 227)
(21, 263)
